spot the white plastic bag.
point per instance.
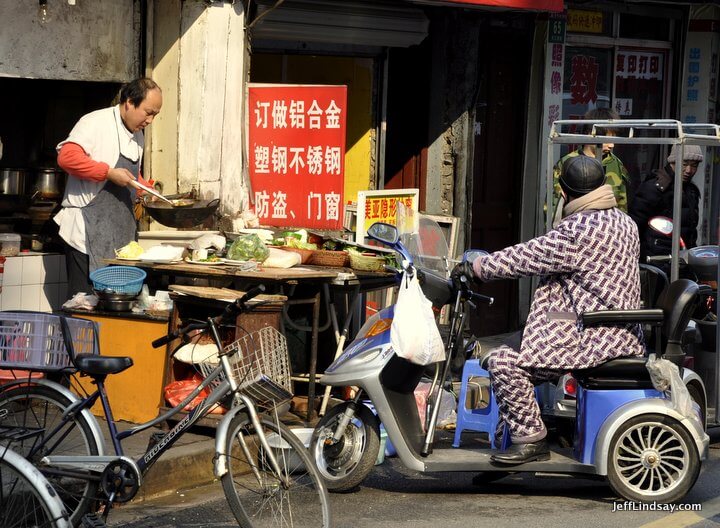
(414, 334)
(666, 376)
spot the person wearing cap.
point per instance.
(588, 262)
(654, 197)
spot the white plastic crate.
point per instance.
(34, 341)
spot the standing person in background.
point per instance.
(615, 171)
(654, 197)
(102, 155)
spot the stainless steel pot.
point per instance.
(13, 181)
(49, 184)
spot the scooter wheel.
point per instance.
(345, 464)
(652, 458)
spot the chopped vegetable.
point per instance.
(130, 251)
(248, 247)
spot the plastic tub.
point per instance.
(9, 244)
(276, 443)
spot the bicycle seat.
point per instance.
(101, 365)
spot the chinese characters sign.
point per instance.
(630, 64)
(381, 206)
(297, 154)
(581, 21)
(583, 79)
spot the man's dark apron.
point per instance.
(109, 220)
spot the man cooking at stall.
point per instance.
(102, 155)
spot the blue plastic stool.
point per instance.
(482, 420)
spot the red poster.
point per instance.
(297, 154)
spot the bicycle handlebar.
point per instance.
(231, 310)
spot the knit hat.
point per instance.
(581, 174)
(691, 152)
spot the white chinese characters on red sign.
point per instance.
(297, 154)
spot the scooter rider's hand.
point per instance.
(463, 272)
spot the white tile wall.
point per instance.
(34, 282)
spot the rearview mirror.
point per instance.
(382, 232)
(471, 254)
(661, 224)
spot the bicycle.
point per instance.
(26, 497)
(266, 474)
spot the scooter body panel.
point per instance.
(593, 409)
(622, 414)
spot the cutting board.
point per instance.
(222, 294)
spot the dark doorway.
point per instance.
(407, 119)
(500, 120)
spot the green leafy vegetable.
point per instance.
(248, 247)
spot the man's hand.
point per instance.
(463, 272)
(120, 177)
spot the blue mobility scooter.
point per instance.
(626, 430)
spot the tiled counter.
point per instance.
(34, 281)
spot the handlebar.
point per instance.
(480, 297)
(658, 258)
(233, 309)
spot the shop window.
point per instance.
(644, 27)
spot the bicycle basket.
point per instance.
(34, 341)
(119, 279)
(260, 366)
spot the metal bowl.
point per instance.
(115, 302)
(186, 216)
(115, 306)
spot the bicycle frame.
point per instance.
(97, 464)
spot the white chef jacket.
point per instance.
(103, 136)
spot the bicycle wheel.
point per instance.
(39, 410)
(26, 497)
(257, 495)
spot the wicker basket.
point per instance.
(366, 263)
(324, 257)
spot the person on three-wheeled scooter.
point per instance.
(587, 263)
(632, 425)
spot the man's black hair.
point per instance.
(136, 91)
(601, 114)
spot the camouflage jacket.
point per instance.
(617, 178)
(589, 262)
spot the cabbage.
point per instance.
(248, 247)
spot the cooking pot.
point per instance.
(49, 184)
(13, 181)
(188, 216)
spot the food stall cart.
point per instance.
(315, 286)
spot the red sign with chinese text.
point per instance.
(297, 154)
(540, 5)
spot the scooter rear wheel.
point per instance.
(345, 464)
(652, 458)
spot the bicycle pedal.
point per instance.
(155, 439)
(92, 520)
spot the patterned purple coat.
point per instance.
(589, 262)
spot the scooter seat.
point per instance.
(620, 373)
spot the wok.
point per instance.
(187, 216)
